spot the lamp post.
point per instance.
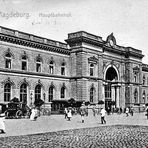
(31, 99)
(44, 97)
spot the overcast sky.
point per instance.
(127, 19)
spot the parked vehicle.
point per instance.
(3, 107)
(17, 110)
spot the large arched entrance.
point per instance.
(110, 87)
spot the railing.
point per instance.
(26, 36)
(84, 34)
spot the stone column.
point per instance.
(117, 97)
(113, 93)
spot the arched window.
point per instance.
(91, 94)
(24, 62)
(51, 67)
(38, 64)
(91, 69)
(144, 80)
(7, 92)
(51, 93)
(63, 92)
(108, 91)
(38, 92)
(63, 69)
(143, 96)
(23, 93)
(8, 60)
(135, 77)
(136, 96)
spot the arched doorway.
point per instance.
(110, 88)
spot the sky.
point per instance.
(127, 19)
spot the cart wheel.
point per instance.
(6, 114)
(18, 114)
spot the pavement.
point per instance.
(54, 123)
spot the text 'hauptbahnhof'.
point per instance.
(85, 68)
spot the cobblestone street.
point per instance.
(56, 132)
(106, 136)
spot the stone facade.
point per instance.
(93, 69)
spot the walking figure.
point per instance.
(94, 111)
(65, 112)
(147, 112)
(132, 111)
(2, 123)
(127, 111)
(69, 114)
(103, 112)
(82, 112)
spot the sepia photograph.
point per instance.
(73, 74)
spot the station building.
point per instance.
(85, 67)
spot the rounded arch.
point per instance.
(52, 85)
(24, 81)
(8, 51)
(111, 72)
(39, 83)
(8, 80)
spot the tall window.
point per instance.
(92, 94)
(38, 64)
(63, 69)
(51, 89)
(23, 93)
(91, 69)
(8, 61)
(24, 62)
(63, 92)
(144, 80)
(136, 96)
(38, 92)
(143, 96)
(51, 67)
(7, 92)
(135, 77)
(108, 91)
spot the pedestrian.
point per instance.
(65, 112)
(94, 111)
(103, 112)
(69, 114)
(147, 112)
(127, 111)
(132, 111)
(82, 112)
(34, 114)
(2, 123)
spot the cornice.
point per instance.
(81, 39)
(24, 39)
(28, 73)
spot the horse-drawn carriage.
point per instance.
(17, 110)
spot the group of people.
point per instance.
(34, 115)
(83, 111)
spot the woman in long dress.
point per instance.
(2, 123)
(33, 114)
(69, 114)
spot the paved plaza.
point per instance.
(55, 131)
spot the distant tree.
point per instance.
(15, 100)
(38, 102)
(71, 102)
(100, 102)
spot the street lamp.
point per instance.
(44, 97)
(31, 97)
